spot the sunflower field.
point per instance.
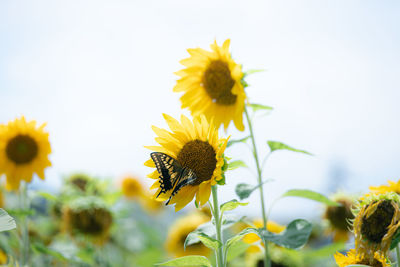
(212, 184)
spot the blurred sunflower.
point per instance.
(352, 257)
(2, 202)
(339, 218)
(392, 187)
(88, 216)
(195, 146)
(131, 187)
(3, 257)
(177, 235)
(377, 218)
(79, 181)
(24, 150)
(253, 238)
(212, 82)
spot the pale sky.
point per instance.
(100, 73)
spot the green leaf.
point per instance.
(209, 241)
(294, 236)
(21, 212)
(258, 107)
(243, 191)
(222, 181)
(236, 249)
(275, 145)
(187, 261)
(326, 251)
(395, 239)
(240, 235)
(242, 140)
(40, 248)
(358, 265)
(309, 194)
(236, 164)
(246, 73)
(6, 221)
(231, 205)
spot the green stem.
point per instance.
(219, 251)
(267, 262)
(24, 206)
(398, 255)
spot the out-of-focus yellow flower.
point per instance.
(339, 218)
(253, 238)
(382, 189)
(131, 187)
(195, 146)
(353, 258)
(178, 232)
(3, 257)
(24, 150)
(212, 82)
(88, 216)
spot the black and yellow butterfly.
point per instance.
(172, 175)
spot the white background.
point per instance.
(100, 73)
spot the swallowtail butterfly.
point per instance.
(172, 175)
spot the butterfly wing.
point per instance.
(169, 169)
(187, 177)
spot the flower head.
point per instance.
(339, 217)
(131, 187)
(212, 82)
(24, 150)
(89, 217)
(178, 232)
(193, 146)
(377, 218)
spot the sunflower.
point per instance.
(339, 218)
(212, 83)
(377, 218)
(252, 238)
(89, 217)
(79, 181)
(392, 187)
(24, 150)
(353, 258)
(195, 146)
(178, 232)
(131, 187)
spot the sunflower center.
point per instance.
(375, 226)
(218, 82)
(91, 222)
(199, 156)
(22, 149)
(339, 216)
